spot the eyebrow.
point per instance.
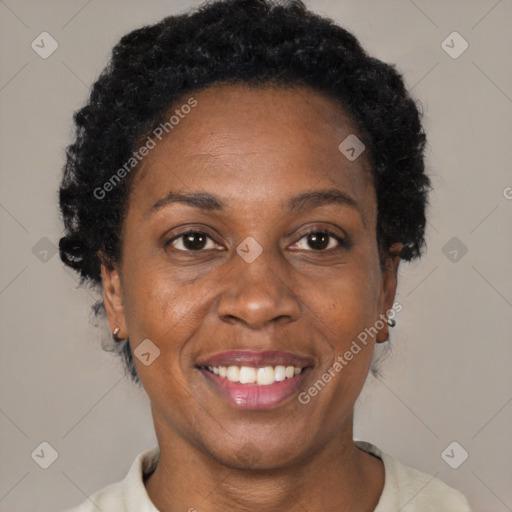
(317, 198)
(310, 200)
(299, 203)
(200, 200)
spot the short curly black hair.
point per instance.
(258, 43)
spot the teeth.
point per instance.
(233, 374)
(266, 376)
(263, 376)
(289, 372)
(279, 373)
(247, 375)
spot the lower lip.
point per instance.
(252, 396)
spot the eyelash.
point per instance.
(343, 243)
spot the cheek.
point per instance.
(344, 310)
(347, 302)
(162, 308)
(168, 314)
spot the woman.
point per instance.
(244, 182)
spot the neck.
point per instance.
(340, 477)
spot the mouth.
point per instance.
(255, 380)
(261, 376)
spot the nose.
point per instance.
(258, 294)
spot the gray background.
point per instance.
(448, 376)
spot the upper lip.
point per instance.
(256, 359)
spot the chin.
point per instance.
(250, 454)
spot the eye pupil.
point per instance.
(194, 241)
(318, 241)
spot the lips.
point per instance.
(256, 359)
(255, 380)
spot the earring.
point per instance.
(115, 332)
(391, 322)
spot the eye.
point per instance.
(192, 241)
(319, 240)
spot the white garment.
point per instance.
(405, 489)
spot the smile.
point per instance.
(263, 376)
(255, 380)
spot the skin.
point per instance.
(254, 149)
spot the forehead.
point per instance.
(261, 143)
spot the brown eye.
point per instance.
(192, 241)
(319, 241)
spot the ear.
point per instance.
(389, 285)
(113, 300)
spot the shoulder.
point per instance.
(131, 490)
(412, 490)
(108, 498)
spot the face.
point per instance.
(249, 245)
